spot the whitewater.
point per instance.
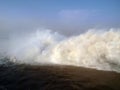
(98, 49)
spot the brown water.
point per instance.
(29, 77)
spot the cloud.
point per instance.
(74, 15)
(69, 14)
(74, 21)
(65, 21)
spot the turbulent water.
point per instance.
(99, 49)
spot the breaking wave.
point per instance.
(93, 49)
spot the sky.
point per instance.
(65, 16)
(68, 17)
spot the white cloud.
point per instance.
(74, 15)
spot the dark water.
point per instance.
(29, 77)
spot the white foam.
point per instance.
(93, 49)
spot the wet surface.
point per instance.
(29, 77)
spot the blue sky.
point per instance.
(68, 17)
(48, 8)
(62, 15)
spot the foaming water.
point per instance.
(93, 49)
(36, 47)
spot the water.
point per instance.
(99, 49)
(55, 77)
(47, 60)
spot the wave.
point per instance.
(99, 49)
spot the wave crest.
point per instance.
(93, 49)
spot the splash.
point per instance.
(93, 49)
